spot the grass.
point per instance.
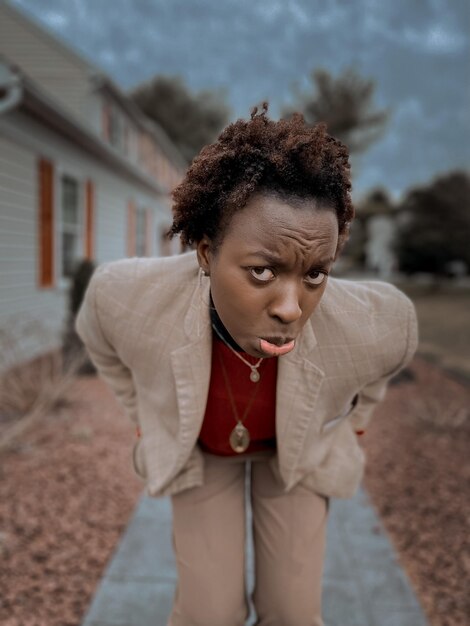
(444, 323)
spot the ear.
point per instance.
(204, 254)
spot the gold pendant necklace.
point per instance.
(254, 374)
(240, 436)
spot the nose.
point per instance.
(285, 305)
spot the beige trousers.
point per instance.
(209, 543)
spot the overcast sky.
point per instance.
(417, 51)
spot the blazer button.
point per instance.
(360, 432)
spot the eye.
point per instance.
(316, 277)
(263, 274)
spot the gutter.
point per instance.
(11, 90)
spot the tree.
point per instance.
(436, 232)
(376, 202)
(190, 120)
(345, 104)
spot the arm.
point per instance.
(117, 375)
(374, 392)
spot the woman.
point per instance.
(246, 351)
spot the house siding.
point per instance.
(23, 143)
(21, 302)
(59, 71)
(18, 220)
(66, 77)
(61, 80)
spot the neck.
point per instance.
(215, 319)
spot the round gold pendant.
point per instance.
(254, 376)
(239, 438)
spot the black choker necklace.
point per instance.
(219, 328)
(217, 322)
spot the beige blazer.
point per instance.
(145, 323)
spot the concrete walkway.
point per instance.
(363, 582)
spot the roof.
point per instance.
(63, 46)
(18, 91)
(104, 83)
(100, 81)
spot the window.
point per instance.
(115, 128)
(70, 235)
(66, 223)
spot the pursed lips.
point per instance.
(278, 341)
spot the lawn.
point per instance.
(444, 323)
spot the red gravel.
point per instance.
(418, 476)
(66, 495)
(68, 489)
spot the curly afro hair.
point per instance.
(286, 158)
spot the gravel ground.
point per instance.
(418, 477)
(67, 491)
(66, 495)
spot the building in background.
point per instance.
(83, 174)
(370, 250)
(380, 218)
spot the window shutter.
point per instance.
(131, 229)
(89, 220)
(46, 222)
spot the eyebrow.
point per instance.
(275, 260)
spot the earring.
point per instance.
(201, 274)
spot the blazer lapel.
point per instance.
(191, 365)
(298, 385)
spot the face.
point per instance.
(270, 271)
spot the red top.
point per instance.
(219, 420)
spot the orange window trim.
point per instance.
(46, 223)
(131, 229)
(89, 220)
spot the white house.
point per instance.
(379, 218)
(380, 256)
(83, 174)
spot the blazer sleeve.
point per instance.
(102, 354)
(374, 392)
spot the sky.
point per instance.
(416, 51)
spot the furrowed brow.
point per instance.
(267, 256)
(325, 261)
(275, 260)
